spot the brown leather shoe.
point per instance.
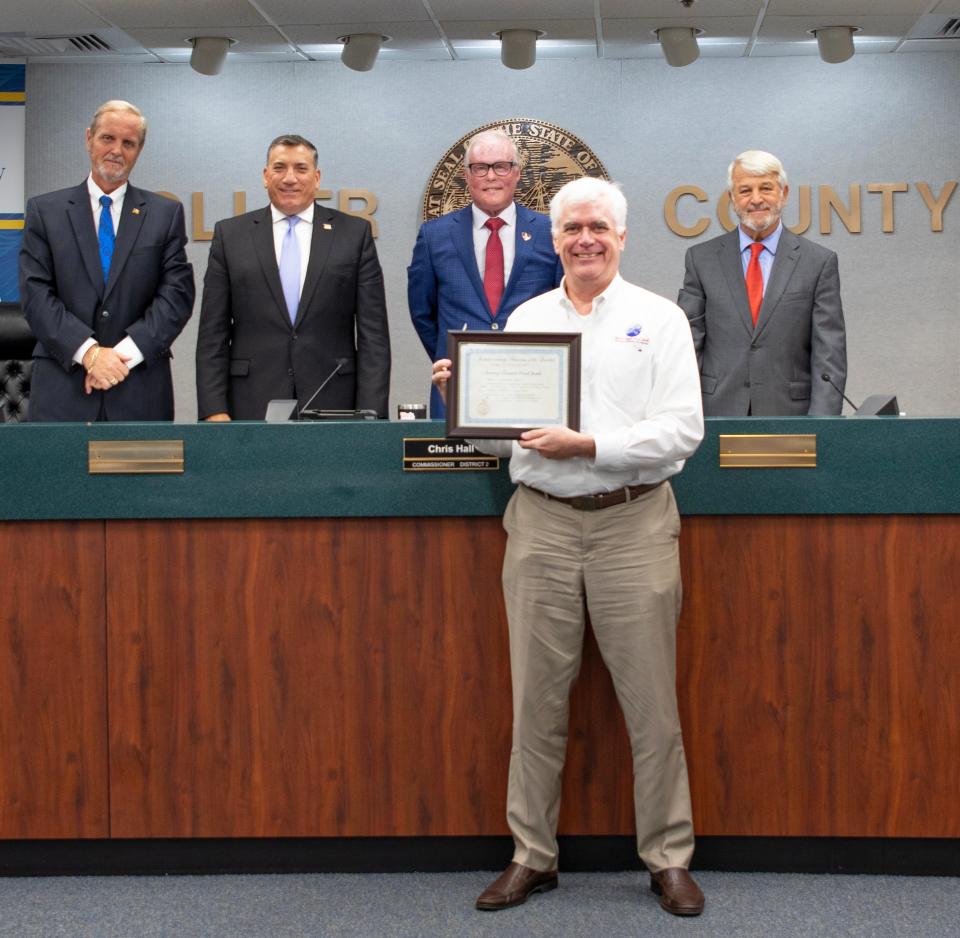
(678, 892)
(514, 885)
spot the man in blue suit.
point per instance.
(468, 274)
(105, 285)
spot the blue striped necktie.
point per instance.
(106, 235)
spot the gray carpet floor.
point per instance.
(587, 905)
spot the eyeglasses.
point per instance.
(502, 168)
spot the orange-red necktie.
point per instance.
(755, 280)
(493, 264)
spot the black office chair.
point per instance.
(16, 363)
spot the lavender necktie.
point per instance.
(290, 268)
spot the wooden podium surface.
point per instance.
(296, 638)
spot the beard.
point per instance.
(112, 171)
(757, 223)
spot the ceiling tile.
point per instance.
(554, 29)
(48, 18)
(628, 9)
(289, 12)
(158, 14)
(841, 8)
(509, 10)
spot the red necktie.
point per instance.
(493, 264)
(755, 280)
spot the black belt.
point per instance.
(603, 500)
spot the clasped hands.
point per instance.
(105, 367)
(549, 442)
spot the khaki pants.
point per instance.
(623, 562)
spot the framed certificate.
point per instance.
(503, 383)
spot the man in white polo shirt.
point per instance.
(593, 523)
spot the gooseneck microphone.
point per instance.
(340, 363)
(829, 381)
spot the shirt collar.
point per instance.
(770, 242)
(509, 215)
(95, 191)
(306, 215)
(599, 301)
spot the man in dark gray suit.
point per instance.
(293, 296)
(764, 307)
(105, 285)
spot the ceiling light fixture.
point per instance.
(360, 50)
(679, 44)
(835, 42)
(518, 47)
(209, 53)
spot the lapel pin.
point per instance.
(328, 227)
(526, 235)
(136, 211)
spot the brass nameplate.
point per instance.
(768, 451)
(443, 455)
(138, 457)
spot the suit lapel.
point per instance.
(523, 248)
(732, 266)
(784, 264)
(321, 241)
(81, 220)
(262, 235)
(133, 216)
(463, 239)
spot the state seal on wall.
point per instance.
(549, 157)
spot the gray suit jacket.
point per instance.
(777, 368)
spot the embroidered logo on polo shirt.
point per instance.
(634, 337)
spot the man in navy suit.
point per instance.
(105, 285)
(459, 278)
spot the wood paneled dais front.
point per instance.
(308, 678)
(819, 673)
(53, 721)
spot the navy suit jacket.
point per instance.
(445, 287)
(775, 369)
(248, 351)
(149, 297)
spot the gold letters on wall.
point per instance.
(848, 208)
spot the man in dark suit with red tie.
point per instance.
(472, 268)
(293, 297)
(105, 285)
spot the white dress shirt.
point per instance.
(639, 391)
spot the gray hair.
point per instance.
(491, 136)
(585, 190)
(118, 105)
(757, 163)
